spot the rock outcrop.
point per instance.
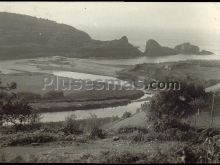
(187, 48)
(205, 52)
(154, 49)
(111, 49)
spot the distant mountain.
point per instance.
(154, 49)
(23, 36)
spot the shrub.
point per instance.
(97, 132)
(186, 153)
(126, 115)
(178, 104)
(138, 137)
(168, 123)
(13, 108)
(130, 129)
(120, 157)
(132, 157)
(16, 111)
(71, 125)
(28, 138)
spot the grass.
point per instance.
(31, 91)
(29, 138)
(137, 145)
(200, 71)
(71, 106)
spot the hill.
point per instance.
(24, 36)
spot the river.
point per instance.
(9, 67)
(100, 113)
(171, 58)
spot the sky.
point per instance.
(107, 20)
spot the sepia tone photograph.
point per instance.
(109, 82)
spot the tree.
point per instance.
(178, 104)
(14, 109)
(167, 108)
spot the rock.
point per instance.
(116, 138)
(205, 52)
(118, 48)
(124, 39)
(153, 48)
(187, 48)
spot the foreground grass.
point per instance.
(51, 142)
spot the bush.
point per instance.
(97, 132)
(186, 153)
(126, 115)
(71, 126)
(132, 157)
(120, 157)
(178, 104)
(28, 138)
(138, 137)
(172, 129)
(14, 108)
(16, 111)
(168, 123)
(199, 153)
(131, 129)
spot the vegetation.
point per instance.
(201, 72)
(178, 104)
(126, 115)
(53, 95)
(166, 111)
(13, 109)
(71, 126)
(29, 96)
(29, 138)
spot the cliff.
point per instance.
(153, 48)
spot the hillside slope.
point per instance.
(24, 36)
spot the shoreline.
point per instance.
(57, 106)
(87, 106)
